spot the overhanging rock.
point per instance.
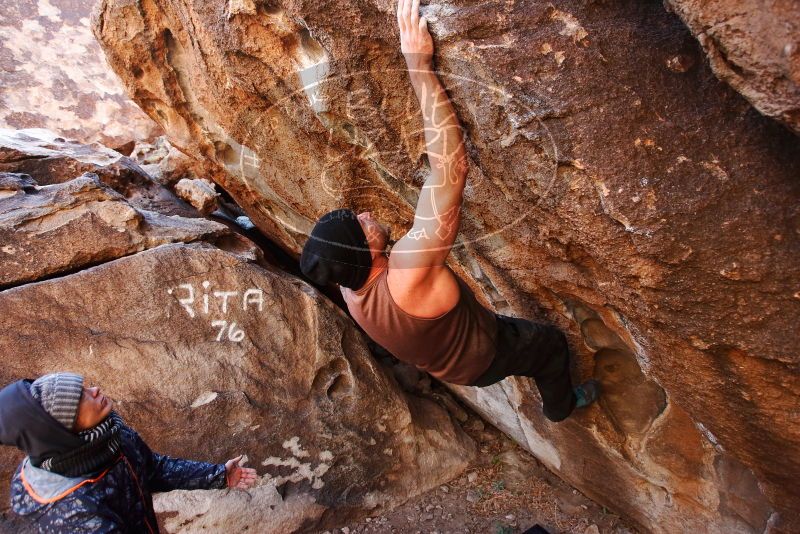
(639, 203)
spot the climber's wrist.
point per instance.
(422, 74)
(419, 64)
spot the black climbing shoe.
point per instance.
(587, 393)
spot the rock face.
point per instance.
(50, 159)
(53, 75)
(617, 189)
(198, 192)
(64, 227)
(272, 370)
(209, 353)
(166, 164)
(753, 46)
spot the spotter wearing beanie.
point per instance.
(59, 394)
(337, 251)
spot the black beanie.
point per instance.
(337, 251)
(59, 394)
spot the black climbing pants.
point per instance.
(539, 351)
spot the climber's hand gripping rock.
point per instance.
(415, 40)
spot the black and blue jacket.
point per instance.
(116, 499)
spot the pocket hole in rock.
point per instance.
(340, 387)
(226, 154)
(333, 379)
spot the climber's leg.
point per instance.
(550, 369)
(539, 351)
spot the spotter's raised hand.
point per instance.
(237, 476)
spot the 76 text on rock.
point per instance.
(219, 303)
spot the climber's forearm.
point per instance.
(443, 138)
(438, 214)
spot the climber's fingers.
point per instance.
(406, 10)
(400, 21)
(247, 478)
(423, 25)
(414, 15)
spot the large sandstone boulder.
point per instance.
(53, 75)
(209, 351)
(209, 356)
(617, 189)
(755, 47)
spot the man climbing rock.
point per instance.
(410, 302)
(85, 470)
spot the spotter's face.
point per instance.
(93, 409)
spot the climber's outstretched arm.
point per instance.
(426, 246)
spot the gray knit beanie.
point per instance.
(59, 395)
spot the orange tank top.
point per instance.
(456, 347)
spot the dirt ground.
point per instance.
(505, 491)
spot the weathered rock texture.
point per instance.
(166, 164)
(209, 352)
(617, 188)
(50, 159)
(755, 47)
(64, 227)
(198, 192)
(53, 75)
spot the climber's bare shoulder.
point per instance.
(420, 290)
